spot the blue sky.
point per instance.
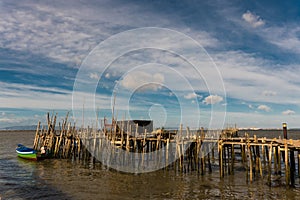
(255, 46)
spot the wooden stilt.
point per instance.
(287, 177)
(220, 147)
(292, 167)
(270, 165)
(251, 163)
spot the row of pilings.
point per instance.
(180, 150)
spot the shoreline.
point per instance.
(17, 131)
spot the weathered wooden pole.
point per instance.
(251, 163)
(278, 160)
(263, 152)
(287, 170)
(232, 159)
(220, 148)
(292, 167)
(284, 129)
(36, 139)
(270, 164)
(209, 163)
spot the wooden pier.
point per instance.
(182, 150)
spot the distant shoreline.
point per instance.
(17, 130)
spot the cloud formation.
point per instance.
(143, 81)
(254, 20)
(191, 95)
(264, 108)
(212, 99)
(94, 76)
(288, 112)
(256, 73)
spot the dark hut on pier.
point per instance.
(131, 125)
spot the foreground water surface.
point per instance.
(67, 179)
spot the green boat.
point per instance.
(26, 153)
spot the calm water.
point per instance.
(66, 179)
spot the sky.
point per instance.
(199, 63)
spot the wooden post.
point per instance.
(36, 139)
(188, 132)
(202, 134)
(122, 134)
(292, 167)
(263, 149)
(270, 164)
(225, 164)
(197, 151)
(256, 154)
(279, 159)
(246, 160)
(209, 163)
(179, 148)
(228, 160)
(284, 129)
(232, 159)
(167, 153)
(220, 148)
(251, 163)
(260, 165)
(135, 136)
(275, 160)
(244, 157)
(213, 154)
(286, 163)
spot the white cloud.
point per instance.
(54, 35)
(192, 95)
(107, 75)
(264, 108)
(252, 19)
(14, 95)
(244, 73)
(143, 81)
(285, 37)
(269, 93)
(9, 120)
(94, 76)
(288, 112)
(213, 99)
(68, 35)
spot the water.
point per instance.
(66, 179)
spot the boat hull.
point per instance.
(26, 153)
(31, 156)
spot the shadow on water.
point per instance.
(19, 179)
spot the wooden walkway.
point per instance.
(194, 151)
